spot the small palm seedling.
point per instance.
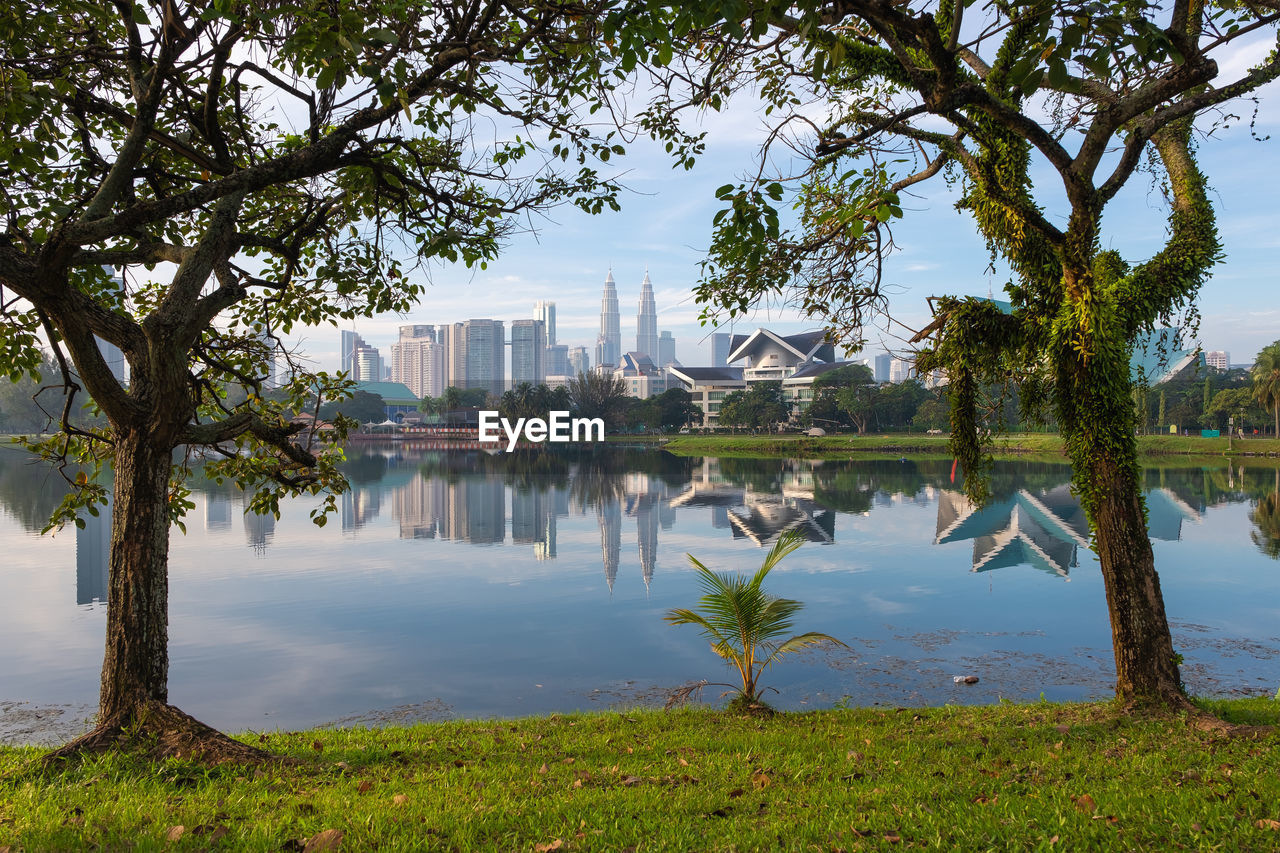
(744, 624)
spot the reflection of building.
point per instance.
(258, 530)
(1165, 514)
(93, 553)
(418, 506)
(217, 511)
(1044, 529)
(646, 514)
(359, 506)
(609, 514)
(533, 521)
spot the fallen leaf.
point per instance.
(577, 783)
(400, 799)
(892, 837)
(317, 745)
(1086, 804)
(629, 781)
(1063, 729)
(364, 787)
(174, 833)
(735, 793)
(550, 845)
(329, 839)
(760, 780)
(1053, 841)
(1267, 823)
(1195, 827)
(219, 832)
(542, 769)
(853, 755)
(682, 762)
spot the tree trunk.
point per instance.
(135, 669)
(1146, 668)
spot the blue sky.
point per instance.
(665, 225)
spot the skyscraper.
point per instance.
(647, 321)
(558, 360)
(347, 350)
(579, 361)
(486, 358)
(1219, 359)
(609, 344)
(546, 312)
(884, 362)
(418, 361)
(720, 349)
(528, 352)
(666, 350)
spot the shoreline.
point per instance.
(1013, 446)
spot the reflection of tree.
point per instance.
(30, 490)
(364, 468)
(1266, 518)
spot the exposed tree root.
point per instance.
(1196, 717)
(161, 731)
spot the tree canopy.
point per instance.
(984, 97)
(189, 182)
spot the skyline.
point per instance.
(665, 225)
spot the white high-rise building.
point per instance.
(1221, 359)
(546, 312)
(418, 361)
(647, 321)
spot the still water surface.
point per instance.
(463, 584)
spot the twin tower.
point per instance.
(661, 349)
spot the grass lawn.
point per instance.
(1023, 777)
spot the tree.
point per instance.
(744, 623)
(918, 91)
(362, 407)
(533, 401)
(1266, 521)
(675, 409)
(1266, 381)
(188, 181)
(599, 395)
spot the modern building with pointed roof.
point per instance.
(647, 320)
(609, 343)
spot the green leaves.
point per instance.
(743, 623)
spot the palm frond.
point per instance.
(787, 542)
(796, 643)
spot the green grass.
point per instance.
(1020, 777)
(1017, 445)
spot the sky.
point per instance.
(665, 226)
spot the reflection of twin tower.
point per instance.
(93, 543)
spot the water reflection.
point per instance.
(478, 498)
(399, 604)
(93, 545)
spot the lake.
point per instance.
(472, 585)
